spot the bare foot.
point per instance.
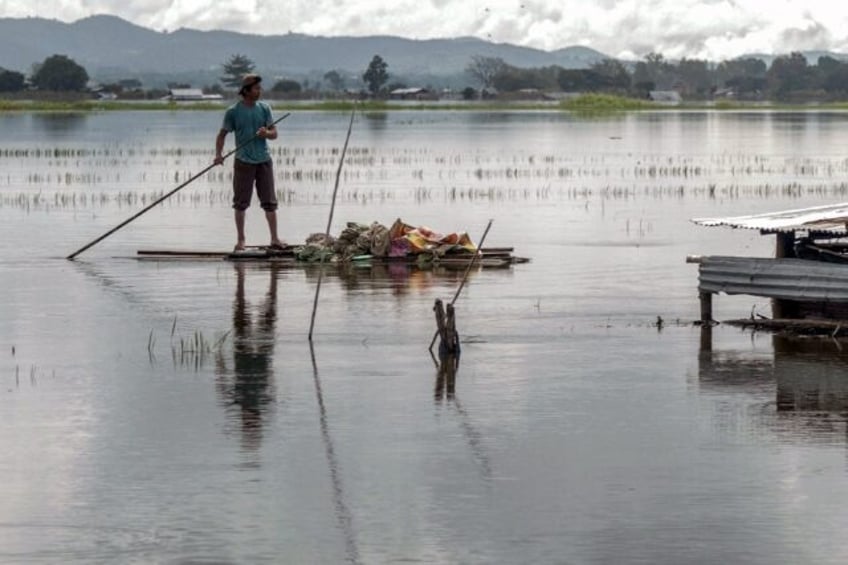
(277, 244)
(239, 246)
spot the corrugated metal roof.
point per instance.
(829, 219)
(789, 279)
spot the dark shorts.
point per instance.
(245, 175)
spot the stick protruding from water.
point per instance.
(477, 255)
(330, 222)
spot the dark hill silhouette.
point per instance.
(110, 47)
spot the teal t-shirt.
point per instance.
(245, 120)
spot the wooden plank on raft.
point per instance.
(190, 253)
(489, 257)
(485, 251)
(484, 263)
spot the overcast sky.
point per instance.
(714, 29)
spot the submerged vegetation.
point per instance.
(581, 104)
(85, 177)
(100, 105)
(605, 103)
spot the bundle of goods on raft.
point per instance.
(366, 243)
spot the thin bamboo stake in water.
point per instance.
(330, 222)
(474, 258)
(165, 197)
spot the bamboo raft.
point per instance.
(489, 257)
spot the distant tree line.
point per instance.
(789, 78)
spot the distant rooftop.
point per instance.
(190, 94)
(414, 90)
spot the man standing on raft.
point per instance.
(251, 119)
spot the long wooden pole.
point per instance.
(474, 258)
(330, 222)
(165, 197)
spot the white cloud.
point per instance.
(714, 29)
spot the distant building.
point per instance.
(532, 94)
(450, 94)
(561, 95)
(489, 92)
(725, 93)
(190, 95)
(666, 96)
(105, 95)
(415, 93)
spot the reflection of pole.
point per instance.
(706, 299)
(342, 513)
(471, 262)
(706, 345)
(446, 388)
(474, 441)
(330, 223)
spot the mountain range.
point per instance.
(111, 48)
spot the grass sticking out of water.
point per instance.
(587, 104)
(347, 105)
(102, 106)
(191, 351)
(605, 103)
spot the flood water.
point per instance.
(172, 412)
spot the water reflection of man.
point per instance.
(248, 389)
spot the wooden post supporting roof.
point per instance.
(784, 248)
(785, 245)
